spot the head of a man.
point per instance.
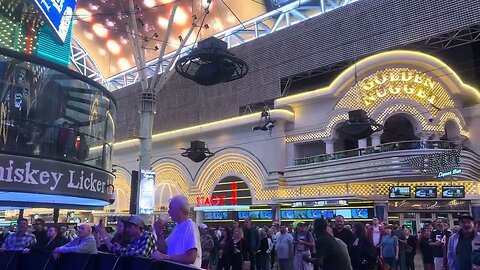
(375, 221)
(203, 229)
(235, 224)
(84, 231)
(301, 227)
(179, 208)
(133, 226)
(52, 232)
(320, 226)
(22, 226)
(466, 224)
(283, 229)
(247, 223)
(339, 222)
(38, 225)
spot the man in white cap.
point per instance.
(84, 243)
(183, 244)
(142, 244)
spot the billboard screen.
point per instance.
(59, 14)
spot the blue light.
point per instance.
(48, 199)
(59, 14)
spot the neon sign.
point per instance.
(406, 82)
(221, 200)
(449, 173)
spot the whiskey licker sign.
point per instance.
(34, 175)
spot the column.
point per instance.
(381, 210)
(475, 209)
(376, 138)
(329, 146)
(276, 215)
(362, 143)
(199, 217)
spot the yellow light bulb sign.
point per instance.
(414, 84)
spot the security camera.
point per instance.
(430, 120)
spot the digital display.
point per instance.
(360, 213)
(399, 192)
(453, 192)
(264, 214)
(425, 192)
(346, 213)
(147, 192)
(59, 14)
(215, 215)
(287, 214)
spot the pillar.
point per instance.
(362, 143)
(276, 214)
(475, 209)
(56, 214)
(381, 210)
(329, 146)
(376, 138)
(20, 213)
(199, 217)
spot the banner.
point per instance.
(44, 176)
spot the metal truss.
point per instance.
(84, 63)
(450, 40)
(270, 22)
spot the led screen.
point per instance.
(399, 192)
(426, 192)
(346, 213)
(453, 192)
(360, 213)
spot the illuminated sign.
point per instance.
(404, 82)
(147, 192)
(59, 14)
(451, 172)
(216, 200)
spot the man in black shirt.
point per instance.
(341, 233)
(328, 253)
(438, 240)
(251, 243)
(40, 232)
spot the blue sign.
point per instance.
(59, 14)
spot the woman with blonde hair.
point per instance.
(237, 258)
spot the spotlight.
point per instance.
(211, 63)
(197, 152)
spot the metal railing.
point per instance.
(382, 148)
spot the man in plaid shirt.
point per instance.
(142, 244)
(19, 240)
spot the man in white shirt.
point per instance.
(183, 244)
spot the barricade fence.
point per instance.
(10, 260)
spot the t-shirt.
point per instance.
(184, 237)
(438, 251)
(376, 235)
(389, 246)
(283, 245)
(344, 257)
(345, 235)
(327, 248)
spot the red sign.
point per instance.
(216, 200)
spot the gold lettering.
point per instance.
(406, 76)
(368, 100)
(393, 76)
(429, 83)
(381, 79)
(421, 93)
(381, 92)
(394, 90)
(408, 89)
(368, 86)
(418, 78)
(431, 99)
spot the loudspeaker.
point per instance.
(357, 115)
(134, 192)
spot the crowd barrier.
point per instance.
(76, 261)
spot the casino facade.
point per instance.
(422, 165)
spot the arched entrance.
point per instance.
(399, 128)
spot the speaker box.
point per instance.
(134, 192)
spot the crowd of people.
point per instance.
(323, 244)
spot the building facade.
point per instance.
(422, 165)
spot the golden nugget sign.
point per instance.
(397, 82)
